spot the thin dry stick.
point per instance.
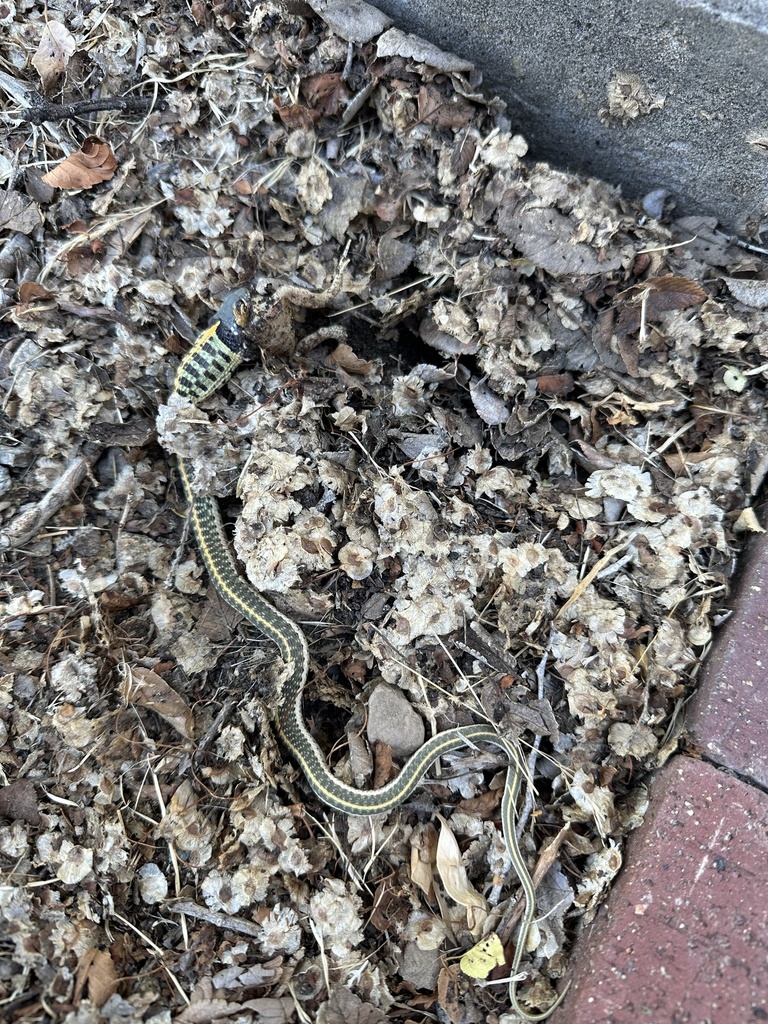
(224, 921)
(595, 571)
(29, 522)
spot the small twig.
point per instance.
(595, 571)
(543, 864)
(41, 110)
(29, 522)
(224, 921)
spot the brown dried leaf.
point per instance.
(327, 94)
(93, 163)
(96, 970)
(445, 111)
(186, 824)
(449, 992)
(382, 764)
(482, 806)
(57, 44)
(295, 115)
(30, 291)
(555, 384)
(390, 908)
(659, 295)
(149, 690)
(343, 356)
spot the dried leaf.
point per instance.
(57, 44)
(204, 1009)
(328, 94)
(751, 291)
(93, 163)
(17, 212)
(423, 855)
(453, 875)
(628, 98)
(96, 970)
(31, 291)
(492, 409)
(295, 115)
(344, 1007)
(555, 384)
(654, 297)
(548, 238)
(395, 43)
(482, 806)
(449, 993)
(445, 111)
(18, 801)
(344, 357)
(149, 690)
(480, 960)
(390, 909)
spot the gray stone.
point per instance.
(420, 967)
(392, 720)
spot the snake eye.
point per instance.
(240, 311)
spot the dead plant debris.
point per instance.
(514, 490)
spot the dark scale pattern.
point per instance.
(207, 365)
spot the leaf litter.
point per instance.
(538, 443)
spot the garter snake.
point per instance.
(205, 368)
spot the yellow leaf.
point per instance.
(486, 954)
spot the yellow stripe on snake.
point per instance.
(205, 368)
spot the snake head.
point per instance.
(232, 317)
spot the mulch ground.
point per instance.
(513, 488)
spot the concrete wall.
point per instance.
(645, 93)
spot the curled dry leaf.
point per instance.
(344, 357)
(148, 689)
(93, 163)
(453, 875)
(423, 854)
(295, 115)
(57, 44)
(31, 291)
(748, 521)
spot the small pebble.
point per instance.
(392, 720)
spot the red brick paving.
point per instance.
(683, 935)
(727, 717)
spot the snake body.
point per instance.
(206, 367)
